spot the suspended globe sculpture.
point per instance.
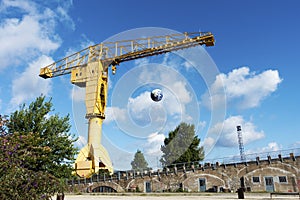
(156, 95)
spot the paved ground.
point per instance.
(208, 196)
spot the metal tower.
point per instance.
(241, 145)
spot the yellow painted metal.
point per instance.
(93, 77)
(83, 166)
(89, 69)
(46, 72)
(93, 154)
(113, 53)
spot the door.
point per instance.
(148, 186)
(269, 184)
(202, 184)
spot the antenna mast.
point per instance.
(241, 145)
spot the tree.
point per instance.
(36, 152)
(139, 161)
(181, 145)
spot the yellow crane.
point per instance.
(89, 69)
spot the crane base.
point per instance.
(90, 160)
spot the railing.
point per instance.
(253, 156)
(184, 167)
(113, 53)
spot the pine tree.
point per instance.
(181, 145)
(139, 161)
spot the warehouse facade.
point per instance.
(274, 174)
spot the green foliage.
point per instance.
(182, 145)
(20, 183)
(36, 152)
(104, 172)
(139, 161)
(137, 189)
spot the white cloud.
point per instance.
(114, 113)
(153, 144)
(229, 137)
(84, 43)
(64, 16)
(188, 65)
(182, 93)
(243, 87)
(139, 106)
(174, 86)
(28, 84)
(141, 61)
(201, 125)
(295, 144)
(144, 111)
(208, 143)
(272, 146)
(140, 110)
(24, 38)
(78, 94)
(28, 35)
(81, 142)
(27, 6)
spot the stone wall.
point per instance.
(273, 174)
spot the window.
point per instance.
(282, 179)
(255, 179)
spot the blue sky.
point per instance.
(256, 62)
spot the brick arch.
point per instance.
(267, 171)
(214, 176)
(113, 185)
(245, 171)
(293, 168)
(226, 178)
(129, 183)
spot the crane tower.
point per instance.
(89, 69)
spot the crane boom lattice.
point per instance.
(113, 53)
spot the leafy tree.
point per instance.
(182, 145)
(50, 132)
(139, 161)
(36, 152)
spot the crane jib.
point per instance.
(113, 53)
